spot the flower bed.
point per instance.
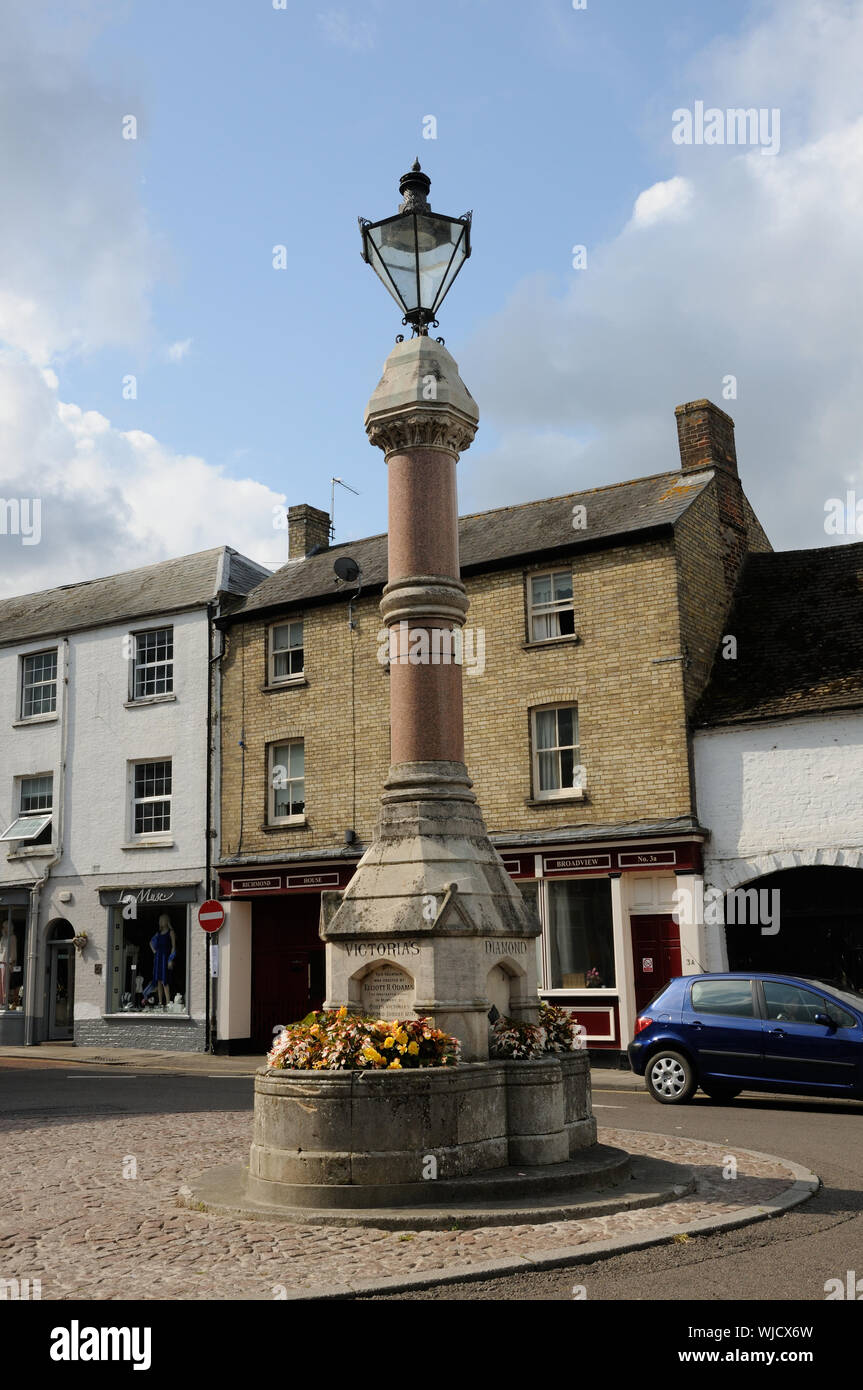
(335, 1040)
(557, 1031)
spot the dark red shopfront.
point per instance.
(287, 954)
(288, 975)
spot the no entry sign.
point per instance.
(211, 915)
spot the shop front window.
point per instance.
(12, 930)
(580, 934)
(148, 969)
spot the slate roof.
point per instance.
(187, 582)
(798, 620)
(489, 540)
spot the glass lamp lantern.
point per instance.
(417, 253)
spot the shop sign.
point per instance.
(254, 885)
(14, 897)
(647, 859)
(312, 880)
(149, 897)
(576, 863)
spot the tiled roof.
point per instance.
(798, 621)
(187, 582)
(497, 538)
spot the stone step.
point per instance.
(482, 1200)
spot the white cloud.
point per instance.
(736, 265)
(77, 263)
(77, 258)
(112, 499)
(667, 201)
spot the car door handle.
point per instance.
(697, 1027)
(776, 1032)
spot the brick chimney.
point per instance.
(705, 435)
(308, 529)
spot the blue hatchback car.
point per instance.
(748, 1031)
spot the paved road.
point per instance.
(78, 1091)
(789, 1257)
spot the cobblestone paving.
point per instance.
(70, 1218)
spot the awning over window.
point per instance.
(26, 827)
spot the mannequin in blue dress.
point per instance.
(164, 947)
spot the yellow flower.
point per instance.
(401, 1036)
(372, 1054)
(401, 1048)
(394, 1063)
(413, 1048)
(343, 1011)
(314, 1028)
(389, 1042)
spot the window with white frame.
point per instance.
(151, 798)
(32, 825)
(287, 773)
(153, 666)
(557, 769)
(551, 605)
(39, 684)
(286, 652)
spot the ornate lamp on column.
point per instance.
(431, 910)
(431, 923)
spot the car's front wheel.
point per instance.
(670, 1078)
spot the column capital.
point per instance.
(421, 402)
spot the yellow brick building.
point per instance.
(594, 619)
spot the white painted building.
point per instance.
(108, 778)
(778, 756)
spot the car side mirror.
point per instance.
(825, 1019)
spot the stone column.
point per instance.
(431, 909)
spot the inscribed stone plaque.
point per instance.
(388, 992)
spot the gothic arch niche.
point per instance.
(506, 987)
(820, 925)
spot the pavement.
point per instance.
(210, 1064)
(91, 1200)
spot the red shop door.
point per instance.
(655, 955)
(287, 964)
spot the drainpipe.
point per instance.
(213, 674)
(30, 989)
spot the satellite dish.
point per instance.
(347, 569)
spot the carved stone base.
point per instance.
(431, 918)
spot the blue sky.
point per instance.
(260, 126)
